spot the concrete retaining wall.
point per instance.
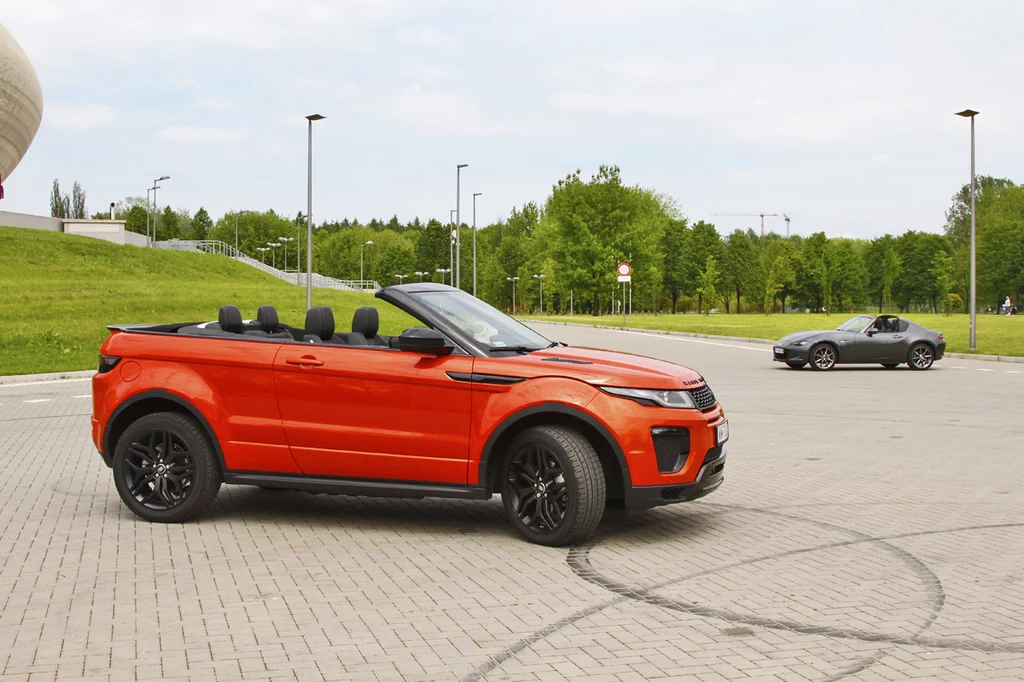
(107, 230)
(35, 222)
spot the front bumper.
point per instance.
(791, 354)
(710, 476)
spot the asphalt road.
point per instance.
(871, 527)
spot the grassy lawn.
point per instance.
(997, 334)
(58, 293)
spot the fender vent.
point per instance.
(572, 361)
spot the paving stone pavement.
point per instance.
(871, 527)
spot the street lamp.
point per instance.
(368, 243)
(401, 278)
(475, 195)
(155, 214)
(541, 279)
(421, 274)
(309, 215)
(513, 280)
(285, 240)
(273, 253)
(451, 238)
(442, 271)
(262, 251)
(970, 113)
(458, 223)
(147, 213)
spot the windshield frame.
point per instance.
(408, 298)
(868, 321)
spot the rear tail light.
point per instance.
(107, 363)
(940, 336)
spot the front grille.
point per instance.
(671, 448)
(703, 398)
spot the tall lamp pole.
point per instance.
(273, 253)
(442, 271)
(285, 240)
(155, 188)
(970, 113)
(369, 242)
(540, 278)
(309, 214)
(421, 274)
(451, 239)
(475, 195)
(458, 223)
(513, 280)
(401, 278)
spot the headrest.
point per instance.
(267, 317)
(365, 321)
(230, 319)
(320, 322)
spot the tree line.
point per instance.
(573, 242)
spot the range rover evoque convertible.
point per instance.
(470, 404)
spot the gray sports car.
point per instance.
(886, 339)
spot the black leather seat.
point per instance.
(365, 324)
(229, 319)
(268, 324)
(320, 326)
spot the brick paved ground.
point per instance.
(871, 527)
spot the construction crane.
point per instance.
(786, 218)
(749, 215)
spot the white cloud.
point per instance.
(217, 103)
(78, 116)
(199, 134)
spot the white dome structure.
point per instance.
(21, 103)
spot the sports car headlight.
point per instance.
(649, 396)
(799, 343)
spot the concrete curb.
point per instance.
(962, 356)
(55, 376)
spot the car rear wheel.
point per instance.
(797, 365)
(921, 356)
(823, 357)
(553, 486)
(165, 469)
(890, 365)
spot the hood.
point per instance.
(598, 367)
(803, 336)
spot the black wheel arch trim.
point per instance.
(108, 448)
(547, 408)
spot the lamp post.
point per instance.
(369, 242)
(970, 113)
(442, 271)
(147, 213)
(540, 278)
(273, 253)
(458, 223)
(285, 240)
(513, 280)
(309, 215)
(451, 239)
(421, 274)
(155, 214)
(401, 278)
(475, 195)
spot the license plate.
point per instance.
(779, 351)
(722, 432)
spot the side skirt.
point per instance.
(348, 486)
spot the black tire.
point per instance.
(797, 365)
(161, 488)
(552, 485)
(824, 357)
(890, 365)
(921, 356)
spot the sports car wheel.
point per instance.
(823, 357)
(921, 356)
(165, 469)
(553, 486)
(890, 365)
(796, 365)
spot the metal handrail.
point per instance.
(220, 248)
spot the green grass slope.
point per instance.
(997, 334)
(59, 292)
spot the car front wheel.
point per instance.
(921, 356)
(823, 357)
(165, 469)
(553, 485)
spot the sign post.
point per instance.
(625, 271)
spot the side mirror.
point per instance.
(423, 340)
(872, 332)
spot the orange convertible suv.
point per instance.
(470, 404)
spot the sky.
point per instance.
(839, 115)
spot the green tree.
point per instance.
(890, 267)
(708, 282)
(773, 283)
(78, 209)
(60, 204)
(704, 242)
(740, 264)
(673, 247)
(942, 272)
(200, 224)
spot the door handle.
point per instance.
(305, 361)
(898, 336)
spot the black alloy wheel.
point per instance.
(553, 485)
(165, 469)
(797, 364)
(823, 357)
(921, 357)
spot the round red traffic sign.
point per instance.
(625, 269)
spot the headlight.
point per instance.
(799, 343)
(649, 396)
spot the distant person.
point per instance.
(1007, 306)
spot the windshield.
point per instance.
(855, 324)
(480, 321)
